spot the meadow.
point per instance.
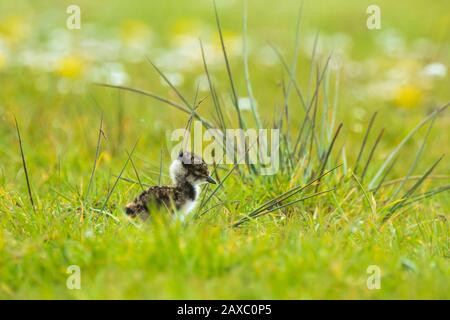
(363, 183)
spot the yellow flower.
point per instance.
(408, 96)
(186, 26)
(70, 67)
(133, 31)
(13, 28)
(233, 42)
(104, 156)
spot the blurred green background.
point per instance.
(46, 81)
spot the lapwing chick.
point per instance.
(188, 172)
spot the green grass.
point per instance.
(301, 235)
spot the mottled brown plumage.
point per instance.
(188, 171)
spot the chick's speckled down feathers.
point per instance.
(162, 196)
(188, 171)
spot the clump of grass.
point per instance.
(407, 196)
(277, 202)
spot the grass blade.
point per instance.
(366, 195)
(419, 182)
(136, 172)
(132, 181)
(249, 217)
(119, 176)
(411, 191)
(380, 184)
(216, 101)
(227, 64)
(246, 69)
(177, 92)
(97, 151)
(426, 195)
(363, 144)
(402, 143)
(416, 159)
(160, 166)
(147, 94)
(335, 104)
(293, 191)
(24, 164)
(217, 189)
(330, 148)
(372, 151)
(225, 178)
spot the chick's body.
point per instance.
(188, 171)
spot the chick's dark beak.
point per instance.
(211, 180)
